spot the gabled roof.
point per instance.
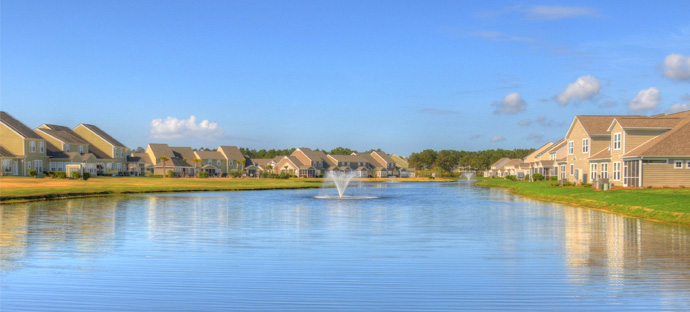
(602, 155)
(261, 162)
(143, 156)
(17, 126)
(160, 149)
(105, 136)
(558, 145)
(231, 152)
(645, 123)
(182, 152)
(593, 124)
(384, 156)
(6, 153)
(209, 155)
(532, 156)
(313, 155)
(675, 142)
(64, 136)
(400, 162)
(347, 158)
(500, 162)
(371, 160)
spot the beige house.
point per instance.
(496, 169)
(403, 166)
(316, 159)
(115, 153)
(65, 147)
(21, 148)
(293, 166)
(211, 161)
(174, 161)
(254, 167)
(349, 163)
(385, 161)
(233, 158)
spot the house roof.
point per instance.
(384, 156)
(532, 156)
(208, 166)
(231, 152)
(372, 161)
(400, 162)
(594, 124)
(347, 158)
(603, 154)
(500, 162)
(144, 156)
(556, 146)
(209, 155)
(64, 136)
(105, 136)
(6, 153)
(313, 155)
(174, 162)
(182, 152)
(645, 122)
(17, 126)
(675, 142)
(135, 159)
(261, 162)
(161, 149)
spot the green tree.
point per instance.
(163, 159)
(447, 160)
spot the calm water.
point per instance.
(419, 247)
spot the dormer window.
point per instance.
(617, 141)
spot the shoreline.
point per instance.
(600, 200)
(15, 190)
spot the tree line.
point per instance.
(474, 160)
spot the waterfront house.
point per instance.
(64, 145)
(233, 157)
(293, 166)
(212, 162)
(316, 159)
(175, 161)
(385, 161)
(21, 148)
(404, 166)
(254, 167)
(496, 169)
(103, 143)
(372, 166)
(533, 160)
(349, 163)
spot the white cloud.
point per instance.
(498, 138)
(677, 66)
(679, 107)
(511, 104)
(553, 12)
(583, 88)
(645, 100)
(173, 128)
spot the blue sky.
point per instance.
(401, 76)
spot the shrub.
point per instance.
(33, 173)
(538, 177)
(202, 174)
(554, 178)
(76, 175)
(235, 174)
(86, 176)
(511, 178)
(586, 185)
(171, 174)
(681, 186)
(649, 186)
(154, 175)
(58, 174)
(566, 183)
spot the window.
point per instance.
(617, 141)
(66, 147)
(210, 162)
(28, 165)
(617, 171)
(585, 146)
(572, 169)
(678, 164)
(41, 147)
(81, 149)
(655, 161)
(218, 162)
(687, 165)
(571, 148)
(32, 144)
(604, 171)
(593, 171)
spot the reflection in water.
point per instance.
(419, 246)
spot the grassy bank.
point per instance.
(21, 189)
(663, 204)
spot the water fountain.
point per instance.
(468, 175)
(341, 181)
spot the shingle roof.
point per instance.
(98, 153)
(348, 158)
(143, 156)
(532, 156)
(675, 142)
(401, 162)
(371, 160)
(17, 126)
(65, 136)
(385, 156)
(160, 149)
(174, 162)
(647, 122)
(105, 136)
(313, 155)
(182, 152)
(261, 162)
(209, 155)
(596, 125)
(231, 152)
(603, 154)
(6, 153)
(500, 162)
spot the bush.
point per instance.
(86, 176)
(202, 174)
(235, 174)
(554, 178)
(566, 183)
(171, 174)
(511, 178)
(33, 173)
(284, 175)
(57, 174)
(538, 177)
(154, 175)
(76, 175)
(586, 185)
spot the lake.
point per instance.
(416, 247)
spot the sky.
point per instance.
(402, 76)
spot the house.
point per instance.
(212, 162)
(233, 157)
(373, 166)
(293, 166)
(384, 160)
(403, 166)
(586, 137)
(533, 159)
(65, 147)
(349, 163)
(113, 150)
(645, 151)
(21, 148)
(139, 164)
(164, 160)
(316, 159)
(496, 169)
(255, 167)
(546, 161)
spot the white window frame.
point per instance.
(617, 171)
(81, 149)
(604, 171)
(593, 171)
(617, 141)
(571, 147)
(29, 164)
(218, 162)
(687, 164)
(562, 172)
(677, 164)
(32, 145)
(41, 147)
(585, 146)
(572, 169)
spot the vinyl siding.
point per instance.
(665, 175)
(634, 138)
(579, 159)
(12, 141)
(96, 141)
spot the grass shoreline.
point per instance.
(668, 205)
(24, 189)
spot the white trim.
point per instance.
(619, 170)
(586, 140)
(571, 147)
(687, 164)
(620, 141)
(675, 164)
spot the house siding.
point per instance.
(658, 175)
(11, 141)
(96, 141)
(579, 159)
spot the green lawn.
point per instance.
(668, 205)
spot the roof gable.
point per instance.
(17, 127)
(102, 134)
(231, 152)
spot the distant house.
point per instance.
(293, 166)
(403, 166)
(65, 147)
(316, 159)
(113, 150)
(175, 161)
(534, 161)
(496, 169)
(233, 158)
(254, 167)
(212, 162)
(349, 163)
(21, 149)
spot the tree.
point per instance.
(423, 160)
(163, 159)
(341, 151)
(447, 160)
(196, 161)
(243, 161)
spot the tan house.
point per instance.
(212, 162)
(139, 164)
(173, 161)
(233, 157)
(65, 147)
(496, 169)
(316, 159)
(22, 148)
(113, 150)
(293, 166)
(385, 161)
(349, 163)
(403, 166)
(254, 167)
